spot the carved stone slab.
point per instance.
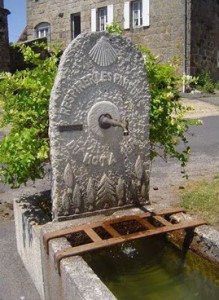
(96, 168)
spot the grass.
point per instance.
(202, 198)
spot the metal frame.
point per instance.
(152, 224)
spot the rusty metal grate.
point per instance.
(87, 237)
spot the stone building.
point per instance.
(186, 29)
(4, 42)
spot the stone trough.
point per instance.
(77, 279)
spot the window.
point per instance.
(136, 13)
(101, 17)
(75, 25)
(43, 30)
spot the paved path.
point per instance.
(15, 282)
(204, 160)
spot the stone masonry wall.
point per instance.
(4, 43)
(205, 36)
(164, 36)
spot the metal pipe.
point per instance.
(106, 121)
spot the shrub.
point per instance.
(168, 126)
(114, 28)
(25, 98)
(205, 83)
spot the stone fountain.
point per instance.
(100, 157)
(99, 130)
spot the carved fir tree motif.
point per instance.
(120, 191)
(69, 178)
(139, 168)
(133, 192)
(141, 183)
(66, 203)
(145, 188)
(144, 192)
(90, 194)
(76, 199)
(106, 195)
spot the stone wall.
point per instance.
(205, 36)
(4, 43)
(164, 36)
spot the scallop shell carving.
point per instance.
(103, 53)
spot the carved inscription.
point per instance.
(132, 87)
(102, 160)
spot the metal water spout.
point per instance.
(106, 121)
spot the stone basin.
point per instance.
(77, 280)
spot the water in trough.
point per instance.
(153, 269)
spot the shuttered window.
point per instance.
(101, 17)
(136, 8)
(93, 19)
(127, 15)
(110, 14)
(136, 13)
(145, 12)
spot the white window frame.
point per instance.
(143, 14)
(136, 13)
(42, 30)
(101, 17)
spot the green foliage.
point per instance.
(168, 126)
(216, 85)
(205, 82)
(114, 28)
(25, 98)
(189, 82)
